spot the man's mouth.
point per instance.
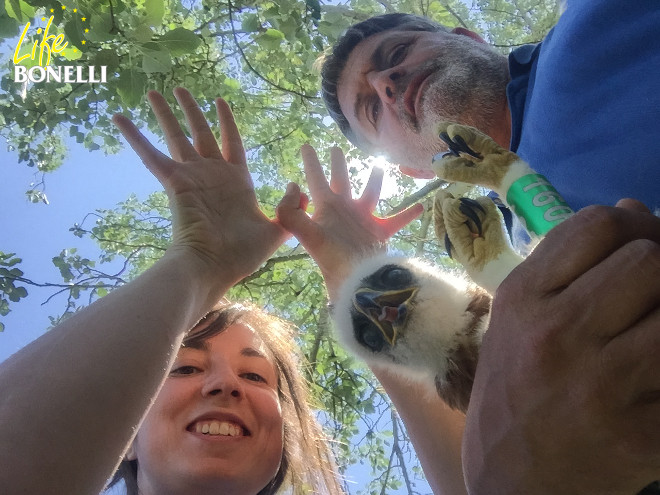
(413, 94)
(218, 428)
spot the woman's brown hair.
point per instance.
(307, 464)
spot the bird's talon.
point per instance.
(448, 246)
(467, 208)
(465, 148)
(453, 149)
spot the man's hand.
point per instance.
(216, 217)
(342, 229)
(566, 397)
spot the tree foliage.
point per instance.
(260, 56)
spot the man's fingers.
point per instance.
(371, 193)
(632, 204)
(597, 232)
(339, 182)
(232, 144)
(316, 181)
(203, 139)
(628, 285)
(633, 358)
(158, 163)
(177, 142)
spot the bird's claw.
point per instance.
(457, 146)
(468, 207)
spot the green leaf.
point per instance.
(108, 58)
(180, 41)
(74, 34)
(315, 7)
(131, 86)
(155, 11)
(8, 27)
(142, 33)
(69, 54)
(100, 28)
(251, 23)
(273, 34)
(155, 58)
(19, 10)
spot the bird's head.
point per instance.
(405, 315)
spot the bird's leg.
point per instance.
(474, 235)
(473, 157)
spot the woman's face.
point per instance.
(216, 425)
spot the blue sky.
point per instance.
(38, 232)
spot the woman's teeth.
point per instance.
(218, 428)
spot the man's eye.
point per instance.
(184, 370)
(399, 53)
(255, 377)
(374, 111)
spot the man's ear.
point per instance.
(468, 33)
(417, 174)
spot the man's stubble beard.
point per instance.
(468, 86)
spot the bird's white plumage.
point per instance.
(434, 330)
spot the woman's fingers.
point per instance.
(339, 182)
(316, 181)
(203, 139)
(158, 163)
(291, 215)
(177, 142)
(391, 225)
(232, 144)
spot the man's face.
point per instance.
(398, 85)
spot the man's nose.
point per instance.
(222, 381)
(385, 83)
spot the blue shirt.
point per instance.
(585, 103)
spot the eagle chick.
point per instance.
(404, 315)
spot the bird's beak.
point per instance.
(387, 309)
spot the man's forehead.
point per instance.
(352, 76)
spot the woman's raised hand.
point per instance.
(216, 217)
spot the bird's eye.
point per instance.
(372, 337)
(394, 276)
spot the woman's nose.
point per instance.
(223, 382)
(385, 83)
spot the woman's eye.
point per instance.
(255, 377)
(184, 370)
(398, 54)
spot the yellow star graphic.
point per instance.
(75, 50)
(63, 7)
(52, 10)
(43, 18)
(83, 42)
(84, 19)
(87, 30)
(75, 10)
